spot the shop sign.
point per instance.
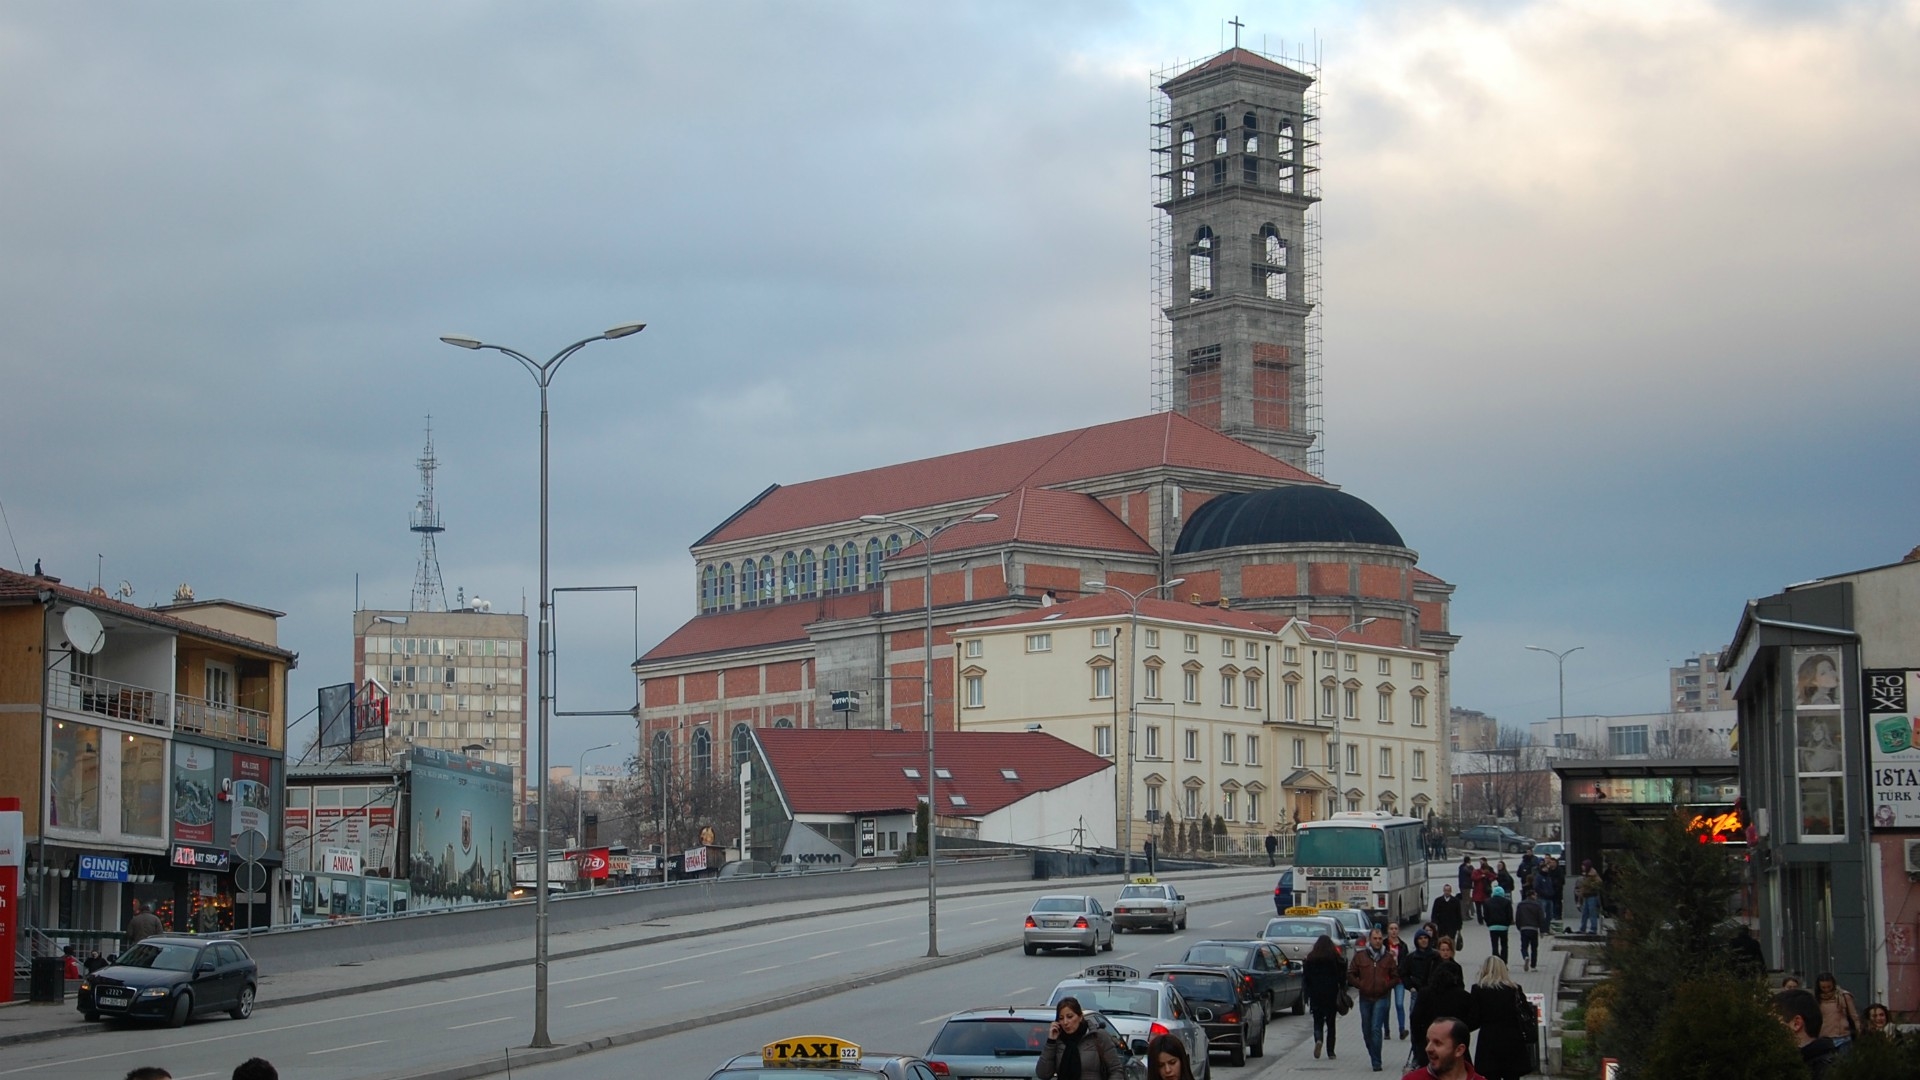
(594, 863)
(694, 860)
(341, 861)
(104, 867)
(200, 858)
(1894, 734)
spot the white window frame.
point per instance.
(1190, 743)
(1226, 648)
(974, 648)
(976, 691)
(1419, 764)
(1192, 643)
(1419, 670)
(1152, 742)
(1253, 806)
(1386, 761)
(1353, 759)
(1103, 740)
(1150, 638)
(1150, 684)
(1253, 749)
(1230, 805)
(1038, 643)
(1289, 654)
(1227, 747)
(1419, 710)
(1103, 637)
(1227, 681)
(1251, 697)
(1190, 687)
(1299, 753)
(1102, 681)
(1383, 705)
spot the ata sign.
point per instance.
(200, 858)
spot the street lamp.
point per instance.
(1339, 702)
(1133, 703)
(543, 377)
(580, 794)
(926, 712)
(1560, 659)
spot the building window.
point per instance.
(830, 569)
(1326, 660)
(1253, 806)
(1253, 749)
(1419, 709)
(809, 575)
(849, 566)
(1103, 681)
(1352, 662)
(742, 744)
(1153, 741)
(1386, 761)
(1352, 700)
(709, 584)
(1151, 637)
(1227, 680)
(973, 648)
(1192, 737)
(1190, 687)
(1299, 753)
(790, 576)
(1226, 648)
(1219, 171)
(1102, 638)
(1152, 684)
(220, 686)
(976, 692)
(1383, 703)
(1419, 764)
(893, 545)
(1289, 654)
(1103, 739)
(873, 561)
(1627, 740)
(1226, 748)
(1200, 260)
(1153, 801)
(1385, 666)
(1327, 699)
(702, 753)
(1039, 642)
(1419, 670)
(1229, 805)
(75, 762)
(1252, 650)
(726, 593)
(1192, 643)
(1192, 800)
(1252, 699)
(1290, 700)
(766, 579)
(1353, 759)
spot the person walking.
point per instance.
(1531, 917)
(1587, 892)
(143, 925)
(1447, 917)
(1799, 1010)
(1500, 1013)
(1070, 1054)
(1443, 995)
(1373, 974)
(1167, 1059)
(1465, 873)
(1273, 847)
(1499, 918)
(1445, 956)
(1503, 878)
(1839, 1019)
(1529, 866)
(1399, 948)
(1446, 1053)
(1482, 880)
(1323, 979)
(1548, 881)
(1415, 968)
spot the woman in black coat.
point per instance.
(1501, 1013)
(1323, 980)
(1443, 994)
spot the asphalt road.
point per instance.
(418, 1028)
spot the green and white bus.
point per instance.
(1367, 859)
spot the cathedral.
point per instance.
(812, 598)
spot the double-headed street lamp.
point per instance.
(1133, 699)
(1560, 658)
(926, 711)
(580, 794)
(1339, 701)
(543, 376)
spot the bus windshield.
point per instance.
(1341, 847)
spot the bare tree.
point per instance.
(1514, 778)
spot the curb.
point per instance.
(546, 1055)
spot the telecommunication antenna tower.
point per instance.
(429, 592)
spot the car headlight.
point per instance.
(85, 985)
(156, 991)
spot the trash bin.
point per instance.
(47, 982)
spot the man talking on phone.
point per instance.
(1446, 1053)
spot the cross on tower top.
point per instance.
(1236, 24)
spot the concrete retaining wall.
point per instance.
(329, 944)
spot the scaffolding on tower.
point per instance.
(1163, 178)
(429, 592)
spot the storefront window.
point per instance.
(143, 795)
(74, 801)
(1820, 744)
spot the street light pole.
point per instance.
(1133, 699)
(580, 794)
(543, 377)
(926, 712)
(1340, 701)
(1560, 659)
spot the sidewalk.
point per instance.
(1353, 1060)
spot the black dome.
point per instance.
(1297, 514)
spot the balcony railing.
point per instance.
(215, 720)
(104, 697)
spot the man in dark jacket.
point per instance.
(1499, 916)
(1800, 1011)
(1531, 917)
(1447, 916)
(1414, 968)
(1465, 873)
(1550, 881)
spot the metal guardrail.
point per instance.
(115, 700)
(231, 722)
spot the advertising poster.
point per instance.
(462, 829)
(252, 800)
(299, 829)
(1819, 743)
(193, 795)
(381, 850)
(1894, 745)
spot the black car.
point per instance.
(173, 979)
(1494, 838)
(1270, 976)
(1233, 1016)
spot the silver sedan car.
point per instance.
(1068, 922)
(1137, 1007)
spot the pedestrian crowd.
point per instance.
(250, 1069)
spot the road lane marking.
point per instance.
(1022, 990)
(982, 922)
(477, 1023)
(824, 955)
(769, 967)
(595, 1001)
(350, 1046)
(677, 986)
(883, 941)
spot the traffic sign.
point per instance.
(250, 876)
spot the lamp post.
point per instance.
(543, 377)
(926, 712)
(1133, 699)
(580, 794)
(1339, 701)
(1560, 659)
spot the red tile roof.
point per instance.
(823, 771)
(25, 588)
(1107, 603)
(1057, 518)
(1231, 58)
(774, 624)
(1158, 439)
(1422, 576)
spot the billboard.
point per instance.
(336, 715)
(252, 797)
(461, 828)
(1894, 735)
(193, 795)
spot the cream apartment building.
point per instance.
(1233, 714)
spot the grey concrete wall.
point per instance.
(328, 944)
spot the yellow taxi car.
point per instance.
(822, 1057)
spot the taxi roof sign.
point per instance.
(809, 1050)
(1331, 905)
(1145, 879)
(1116, 972)
(1297, 911)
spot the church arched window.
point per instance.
(1250, 130)
(1186, 145)
(808, 582)
(709, 582)
(850, 566)
(702, 753)
(893, 545)
(742, 745)
(830, 570)
(873, 561)
(1200, 265)
(1273, 251)
(660, 766)
(1219, 134)
(1284, 144)
(766, 579)
(789, 576)
(726, 586)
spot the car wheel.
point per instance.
(92, 1017)
(182, 1009)
(1238, 1055)
(1109, 945)
(243, 1008)
(1259, 1048)
(1032, 950)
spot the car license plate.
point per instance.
(1056, 922)
(109, 998)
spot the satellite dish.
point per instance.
(84, 631)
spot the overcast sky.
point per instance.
(1620, 300)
